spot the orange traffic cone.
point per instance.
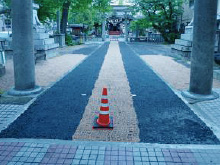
(103, 121)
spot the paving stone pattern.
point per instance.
(8, 113)
(112, 76)
(210, 113)
(75, 153)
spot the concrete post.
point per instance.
(23, 48)
(58, 21)
(137, 32)
(126, 27)
(103, 29)
(201, 77)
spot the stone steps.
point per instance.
(39, 36)
(183, 42)
(188, 29)
(39, 30)
(46, 47)
(188, 37)
(181, 48)
(44, 41)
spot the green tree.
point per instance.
(48, 9)
(120, 2)
(90, 15)
(141, 25)
(80, 11)
(163, 15)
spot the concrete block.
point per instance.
(188, 29)
(179, 53)
(46, 47)
(44, 41)
(183, 42)
(188, 37)
(38, 36)
(39, 30)
(181, 48)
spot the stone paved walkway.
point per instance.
(112, 76)
(31, 151)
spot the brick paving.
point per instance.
(33, 151)
(113, 76)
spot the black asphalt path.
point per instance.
(162, 116)
(57, 113)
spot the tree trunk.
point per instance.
(64, 19)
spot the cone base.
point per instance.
(97, 126)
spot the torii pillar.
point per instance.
(103, 27)
(126, 26)
(23, 48)
(201, 76)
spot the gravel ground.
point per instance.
(142, 48)
(112, 76)
(47, 72)
(158, 57)
(62, 102)
(178, 78)
(162, 116)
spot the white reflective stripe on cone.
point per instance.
(104, 97)
(103, 112)
(104, 105)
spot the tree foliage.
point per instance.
(141, 25)
(163, 16)
(73, 11)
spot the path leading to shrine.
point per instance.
(112, 75)
(144, 108)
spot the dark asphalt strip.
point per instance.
(86, 51)
(162, 116)
(57, 113)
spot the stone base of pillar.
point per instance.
(14, 92)
(60, 39)
(194, 98)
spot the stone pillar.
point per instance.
(23, 48)
(58, 21)
(103, 29)
(137, 31)
(126, 27)
(201, 77)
